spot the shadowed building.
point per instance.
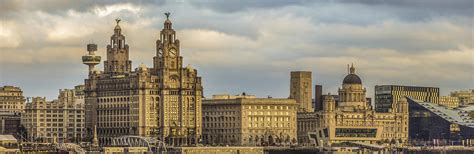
(244, 120)
(318, 97)
(163, 101)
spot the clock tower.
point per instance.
(167, 59)
(179, 120)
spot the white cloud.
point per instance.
(107, 10)
(8, 38)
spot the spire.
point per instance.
(352, 69)
(95, 141)
(167, 21)
(117, 28)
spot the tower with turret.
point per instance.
(163, 101)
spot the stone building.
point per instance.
(249, 121)
(386, 95)
(449, 101)
(353, 119)
(162, 101)
(60, 120)
(465, 96)
(12, 105)
(301, 90)
(11, 99)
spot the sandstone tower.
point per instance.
(301, 90)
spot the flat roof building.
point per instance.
(60, 120)
(465, 96)
(386, 95)
(11, 99)
(249, 121)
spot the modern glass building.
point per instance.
(439, 125)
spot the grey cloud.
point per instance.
(409, 10)
(15, 8)
(230, 6)
(251, 47)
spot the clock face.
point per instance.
(172, 53)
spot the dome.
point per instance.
(142, 67)
(352, 79)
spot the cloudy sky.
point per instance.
(247, 45)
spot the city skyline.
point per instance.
(390, 43)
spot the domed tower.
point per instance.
(117, 53)
(352, 94)
(91, 59)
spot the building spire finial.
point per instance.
(167, 14)
(352, 69)
(118, 20)
(348, 69)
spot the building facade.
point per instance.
(301, 90)
(11, 99)
(249, 121)
(449, 101)
(465, 96)
(12, 105)
(353, 119)
(60, 120)
(386, 95)
(162, 101)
